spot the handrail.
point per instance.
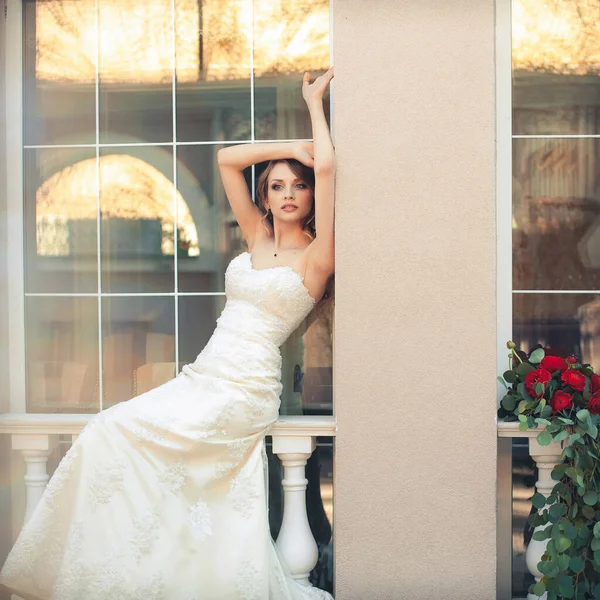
(23, 423)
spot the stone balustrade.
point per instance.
(35, 436)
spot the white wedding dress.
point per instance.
(164, 497)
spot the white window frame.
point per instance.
(15, 292)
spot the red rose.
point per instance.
(575, 379)
(554, 363)
(535, 376)
(572, 359)
(560, 401)
(594, 404)
(595, 383)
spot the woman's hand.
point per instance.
(305, 153)
(313, 92)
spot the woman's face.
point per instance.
(285, 188)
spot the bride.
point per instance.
(163, 497)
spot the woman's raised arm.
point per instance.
(232, 162)
(324, 158)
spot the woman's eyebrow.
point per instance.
(295, 179)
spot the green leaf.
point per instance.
(541, 535)
(510, 376)
(590, 497)
(588, 512)
(536, 356)
(558, 510)
(539, 589)
(596, 530)
(501, 380)
(542, 421)
(567, 421)
(583, 415)
(523, 369)
(523, 425)
(539, 388)
(563, 543)
(508, 403)
(538, 500)
(576, 564)
(563, 562)
(546, 411)
(544, 438)
(595, 544)
(561, 435)
(522, 391)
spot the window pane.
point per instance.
(307, 365)
(136, 71)
(556, 61)
(197, 322)
(137, 334)
(213, 53)
(137, 203)
(204, 250)
(289, 39)
(60, 213)
(59, 71)
(567, 323)
(62, 355)
(556, 214)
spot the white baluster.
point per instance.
(295, 539)
(35, 450)
(545, 457)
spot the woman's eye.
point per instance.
(277, 185)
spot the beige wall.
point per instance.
(415, 337)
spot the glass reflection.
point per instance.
(59, 72)
(213, 91)
(138, 218)
(556, 214)
(289, 39)
(60, 212)
(62, 355)
(198, 180)
(567, 323)
(307, 365)
(556, 60)
(197, 322)
(135, 70)
(138, 335)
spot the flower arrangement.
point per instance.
(563, 396)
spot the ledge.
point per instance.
(23, 423)
(511, 429)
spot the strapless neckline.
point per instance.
(286, 267)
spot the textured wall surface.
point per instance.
(415, 333)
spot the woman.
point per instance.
(163, 497)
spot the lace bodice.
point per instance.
(269, 303)
(263, 307)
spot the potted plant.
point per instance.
(562, 395)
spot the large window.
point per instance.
(127, 228)
(556, 202)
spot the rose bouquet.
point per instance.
(562, 396)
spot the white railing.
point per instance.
(294, 440)
(545, 458)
